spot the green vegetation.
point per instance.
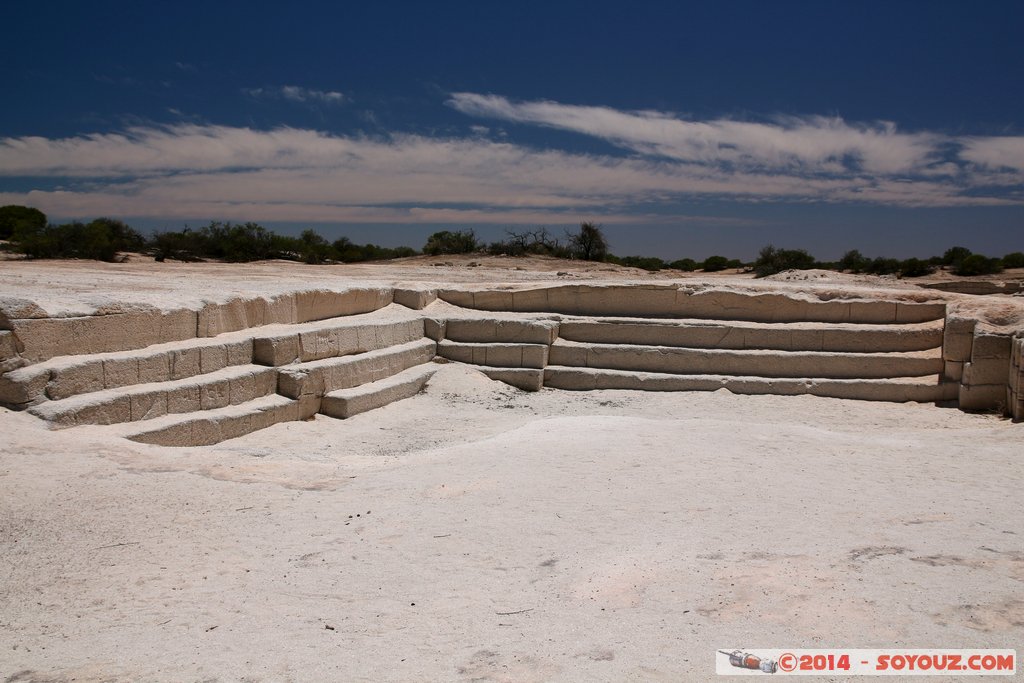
(22, 219)
(104, 239)
(448, 242)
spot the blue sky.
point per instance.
(685, 129)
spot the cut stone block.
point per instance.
(23, 387)
(120, 371)
(990, 346)
(345, 403)
(82, 378)
(840, 337)
(497, 330)
(416, 299)
(986, 371)
(527, 379)
(329, 374)
(497, 355)
(212, 358)
(435, 329)
(983, 397)
(9, 344)
(215, 426)
(953, 370)
(958, 339)
(685, 361)
(922, 389)
(185, 363)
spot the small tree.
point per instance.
(448, 242)
(14, 217)
(687, 265)
(854, 261)
(1014, 259)
(714, 264)
(954, 256)
(976, 264)
(772, 260)
(589, 244)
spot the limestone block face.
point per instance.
(120, 372)
(185, 363)
(23, 387)
(990, 346)
(460, 298)
(212, 358)
(986, 371)
(178, 325)
(416, 299)
(276, 351)
(496, 330)
(72, 380)
(527, 379)
(240, 352)
(958, 339)
(10, 345)
(953, 370)
(148, 405)
(296, 383)
(214, 394)
(982, 396)
(184, 399)
(106, 412)
(435, 329)
(919, 312)
(155, 368)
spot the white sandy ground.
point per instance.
(476, 532)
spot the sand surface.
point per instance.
(477, 532)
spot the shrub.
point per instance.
(714, 264)
(649, 263)
(914, 267)
(771, 260)
(447, 242)
(589, 243)
(954, 256)
(687, 265)
(883, 266)
(854, 261)
(1013, 260)
(100, 239)
(976, 264)
(24, 218)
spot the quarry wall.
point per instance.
(194, 376)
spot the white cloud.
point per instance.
(995, 152)
(288, 174)
(296, 93)
(795, 144)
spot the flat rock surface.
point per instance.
(477, 532)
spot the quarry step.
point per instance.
(228, 386)
(489, 330)
(345, 403)
(929, 389)
(697, 301)
(739, 335)
(336, 337)
(320, 377)
(756, 363)
(495, 354)
(213, 426)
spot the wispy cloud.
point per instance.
(193, 170)
(296, 93)
(793, 144)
